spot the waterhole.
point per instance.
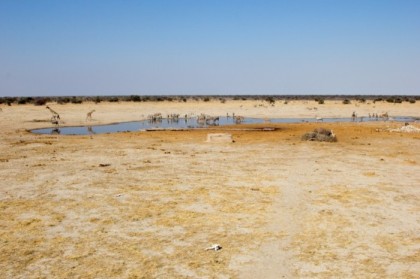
(182, 124)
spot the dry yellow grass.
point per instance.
(278, 206)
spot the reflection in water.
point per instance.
(188, 123)
(90, 130)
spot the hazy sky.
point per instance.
(103, 47)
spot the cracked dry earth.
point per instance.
(147, 204)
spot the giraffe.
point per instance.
(89, 115)
(55, 118)
(353, 116)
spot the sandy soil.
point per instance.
(148, 204)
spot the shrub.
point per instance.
(63, 100)
(25, 100)
(321, 101)
(270, 100)
(412, 101)
(346, 101)
(206, 99)
(40, 102)
(135, 98)
(75, 100)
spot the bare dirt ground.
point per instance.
(147, 204)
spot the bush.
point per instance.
(206, 99)
(346, 101)
(25, 100)
(270, 100)
(63, 100)
(75, 100)
(135, 98)
(97, 99)
(40, 102)
(113, 99)
(321, 101)
(412, 101)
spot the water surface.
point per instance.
(187, 124)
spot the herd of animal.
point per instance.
(202, 119)
(205, 119)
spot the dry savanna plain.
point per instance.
(148, 204)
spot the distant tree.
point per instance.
(75, 100)
(113, 99)
(63, 100)
(135, 98)
(97, 100)
(40, 102)
(25, 100)
(270, 100)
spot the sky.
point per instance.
(202, 47)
